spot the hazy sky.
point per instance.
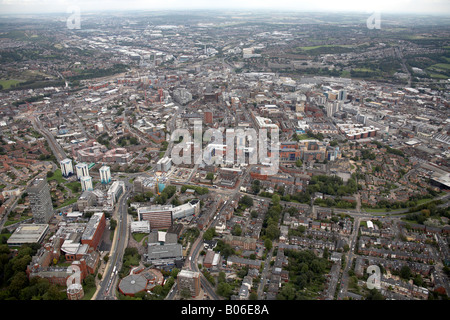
(397, 6)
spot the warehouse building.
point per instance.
(28, 233)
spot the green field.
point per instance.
(68, 202)
(445, 66)
(57, 175)
(438, 76)
(6, 84)
(363, 70)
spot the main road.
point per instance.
(57, 150)
(106, 290)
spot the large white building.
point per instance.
(190, 208)
(82, 170)
(114, 192)
(164, 164)
(105, 174)
(182, 96)
(86, 183)
(66, 167)
(161, 217)
(140, 227)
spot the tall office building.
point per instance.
(105, 174)
(189, 280)
(86, 183)
(82, 170)
(66, 167)
(40, 201)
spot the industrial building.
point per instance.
(170, 254)
(93, 233)
(28, 233)
(164, 249)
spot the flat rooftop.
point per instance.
(28, 233)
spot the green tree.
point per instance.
(209, 234)
(236, 231)
(246, 200)
(224, 290)
(268, 244)
(272, 231)
(405, 272)
(374, 294)
(54, 293)
(185, 293)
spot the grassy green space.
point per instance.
(57, 175)
(345, 74)
(139, 236)
(68, 202)
(303, 136)
(6, 84)
(5, 236)
(10, 222)
(75, 186)
(442, 65)
(363, 70)
(438, 76)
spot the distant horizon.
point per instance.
(255, 10)
(409, 7)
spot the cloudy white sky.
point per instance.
(394, 6)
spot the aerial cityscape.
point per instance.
(224, 155)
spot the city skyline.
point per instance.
(440, 7)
